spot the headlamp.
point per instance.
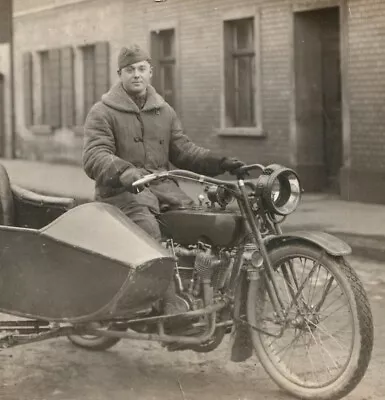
(280, 189)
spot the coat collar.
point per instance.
(118, 99)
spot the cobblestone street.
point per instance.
(55, 370)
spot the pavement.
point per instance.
(361, 225)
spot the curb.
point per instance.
(371, 246)
(366, 246)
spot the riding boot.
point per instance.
(172, 303)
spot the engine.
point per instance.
(200, 265)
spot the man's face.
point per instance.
(136, 77)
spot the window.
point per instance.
(240, 81)
(95, 73)
(164, 60)
(57, 87)
(49, 84)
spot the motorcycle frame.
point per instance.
(227, 300)
(251, 230)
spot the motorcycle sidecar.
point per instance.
(90, 263)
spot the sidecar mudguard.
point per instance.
(330, 243)
(91, 263)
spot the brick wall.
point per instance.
(367, 83)
(200, 35)
(198, 25)
(199, 60)
(363, 178)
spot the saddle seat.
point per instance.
(25, 208)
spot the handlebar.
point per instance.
(188, 175)
(149, 178)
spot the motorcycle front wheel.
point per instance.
(321, 347)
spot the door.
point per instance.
(318, 97)
(332, 106)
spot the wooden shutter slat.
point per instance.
(68, 90)
(89, 77)
(102, 70)
(155, 56)
(55, 88)
(28, 89)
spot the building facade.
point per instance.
(296, 82)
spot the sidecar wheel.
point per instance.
(93, 343)
(320, 349)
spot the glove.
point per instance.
(128, 177)
(231, 164)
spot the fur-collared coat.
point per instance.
(119, 135)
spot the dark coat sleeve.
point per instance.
(185, 154)
(100, 161)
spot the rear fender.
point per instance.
(330, 243)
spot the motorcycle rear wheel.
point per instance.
(310, 327)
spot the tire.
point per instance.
(94, 343)
(6, 199)
(359, 313)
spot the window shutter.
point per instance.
(28, 90)
(102, 70)
(155, 56)
(89, 77)
(54, 117)
(67, 87)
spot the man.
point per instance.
(132, 132)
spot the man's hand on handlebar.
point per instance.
(231, 165)
(128, 177)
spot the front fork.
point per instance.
(256, 236)
(264, 270)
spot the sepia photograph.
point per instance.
(192, 199)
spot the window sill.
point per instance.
(43, 130)
(241, 132)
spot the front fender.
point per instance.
(330, 243)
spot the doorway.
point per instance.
(318, 115)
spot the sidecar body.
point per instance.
(90, 262)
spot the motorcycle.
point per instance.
(88, 273)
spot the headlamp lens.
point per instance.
(285, 192)
(280, 188)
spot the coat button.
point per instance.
(137, 139)
(161, 141)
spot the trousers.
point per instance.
(142, 216)
(143, 209)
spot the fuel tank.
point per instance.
(187, 226)
(91, 263)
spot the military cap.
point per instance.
(131, 55)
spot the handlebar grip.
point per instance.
(143, 181)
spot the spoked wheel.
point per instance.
(327, 332)
(95, 343)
